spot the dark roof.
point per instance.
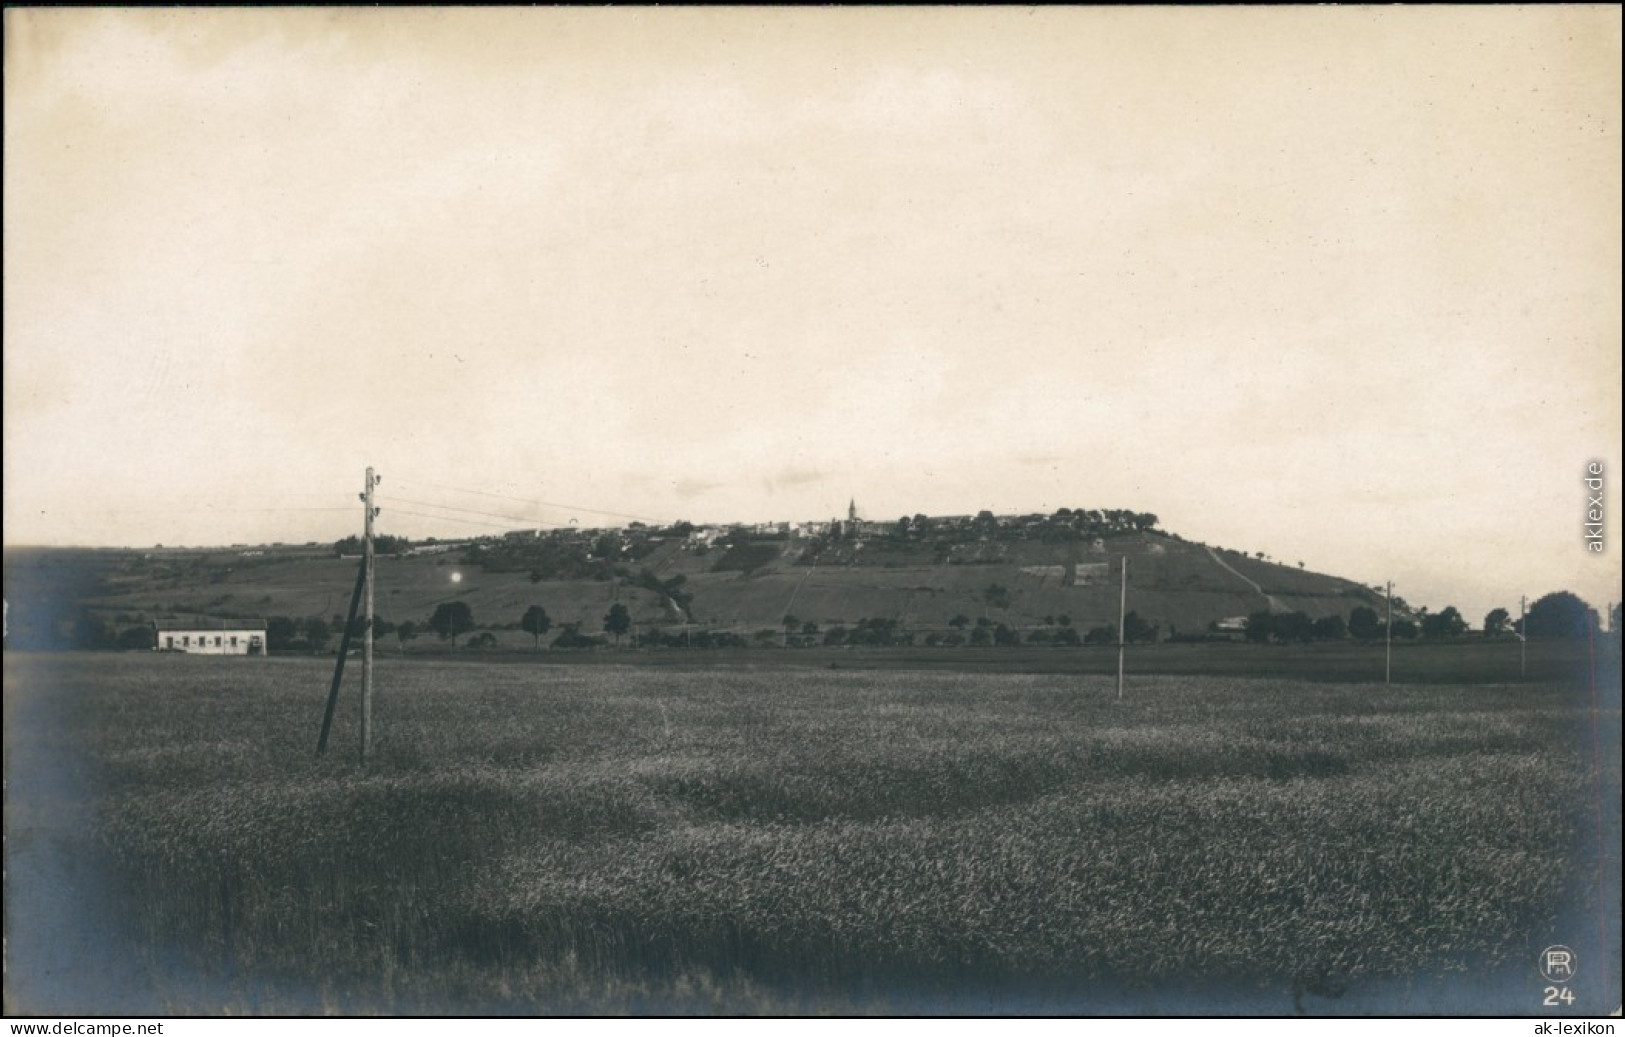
(193, 626)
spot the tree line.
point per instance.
(1559, 615)
(1556, 616)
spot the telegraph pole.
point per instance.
(1122, 605)
(363, 586)
(1388, 640)
(367, 562)
(344, 652)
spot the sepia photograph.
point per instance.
(852, 511)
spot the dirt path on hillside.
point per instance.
(799, 584)
(1270, 599)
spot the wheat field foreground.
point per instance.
(617, 839)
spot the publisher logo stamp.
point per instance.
(1557, 964)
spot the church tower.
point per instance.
(852, 510)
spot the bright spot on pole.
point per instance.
(456, 577)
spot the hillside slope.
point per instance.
(1179, 585)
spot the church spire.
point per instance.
(852, 510)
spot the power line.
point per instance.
(324, 494)
(206, 507)
(527, 500)
(452, 518)
(469, 511)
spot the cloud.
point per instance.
(796, 476)
(688, 488)
(789, 478)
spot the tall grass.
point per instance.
(616, 838)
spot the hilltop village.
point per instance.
(926, 580)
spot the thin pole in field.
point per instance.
(367, 558)
(1122, 606)
(1388, 639)
(1523, 637)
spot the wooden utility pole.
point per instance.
(363, 589)
(367, 561)
(1122, 633)
(1388, 639)
(344, 652)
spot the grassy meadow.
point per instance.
(759, 839)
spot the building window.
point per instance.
(234, 640)
(217, 641)
(169, 642)
(186, 640)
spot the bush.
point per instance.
(1330, 628)
(1293, 626)
(280, 634)
(1137, 629)
(571, 637)
(1560, 615)
(137, 638)
(1364, 624)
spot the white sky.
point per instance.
(1339, 284)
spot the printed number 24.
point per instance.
(1558, 995)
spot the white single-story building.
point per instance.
(1230, 626)
(199, 641)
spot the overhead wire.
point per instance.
(468, 511)
(208, 507)
(453, 518)
(528, 500)
(390, 506)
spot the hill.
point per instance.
(742, 582)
